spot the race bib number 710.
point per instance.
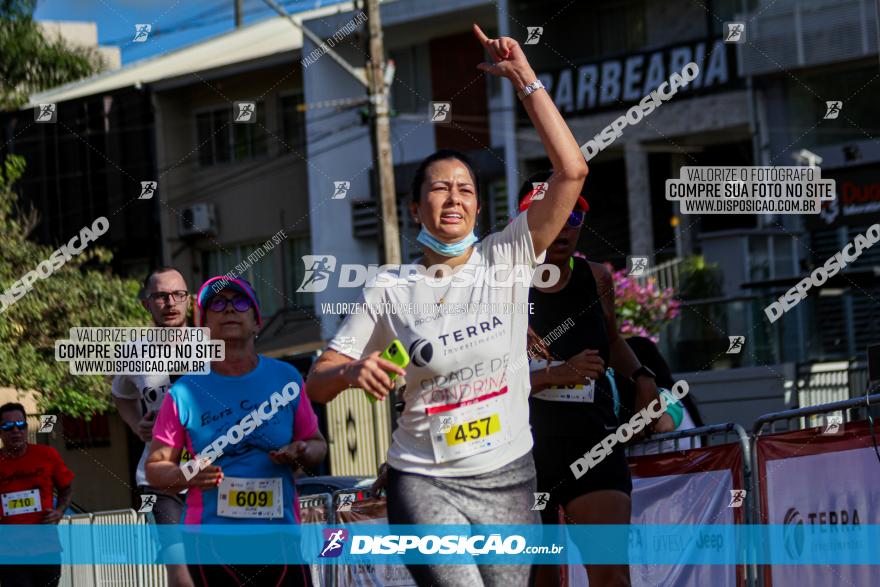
(21, 502)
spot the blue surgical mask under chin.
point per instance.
(446, 249)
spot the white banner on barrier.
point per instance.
(369, 575)
(691, 498)
(836, 489)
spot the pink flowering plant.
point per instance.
(642, 310)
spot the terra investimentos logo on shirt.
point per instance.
(469, 336)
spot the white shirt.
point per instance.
(455, 358)
(150, 390)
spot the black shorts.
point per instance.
(168, 509)
(205, 571)
(563, 432)
(27, 575)
(30, 575)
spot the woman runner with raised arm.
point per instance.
(462, 451)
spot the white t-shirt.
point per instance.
(150, 390)
(465, 414)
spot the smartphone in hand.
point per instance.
(396, 354)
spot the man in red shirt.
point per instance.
(29, 475)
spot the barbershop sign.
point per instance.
(617, 83)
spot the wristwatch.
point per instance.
(530, 89)
(642, 370)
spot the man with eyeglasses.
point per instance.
(139, 397)
(29, 476)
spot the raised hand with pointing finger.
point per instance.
(508, 59)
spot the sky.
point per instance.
(175, 23)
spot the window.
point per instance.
(725, 10)
(298, 247)
(802, 109)
(499, 215)
(221, 141)
(82, 434)
(411, 89)
(293, 122)
(259, 272)
(621, 27)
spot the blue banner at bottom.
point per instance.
(791, 544)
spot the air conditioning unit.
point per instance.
(364, 219)
(197, 220)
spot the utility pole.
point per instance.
(380, 127)
(380, 131)
(237, 13)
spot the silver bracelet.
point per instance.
(530, 89)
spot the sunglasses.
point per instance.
(219, 303)
(7, 426)
(576, 218)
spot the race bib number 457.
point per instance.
(469, 429)
(473, 430)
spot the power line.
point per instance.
(203, 19)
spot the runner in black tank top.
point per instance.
(576, 312)
(568, 414)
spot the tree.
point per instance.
(32, 62)
(80, 293)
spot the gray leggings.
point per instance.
(504, 496)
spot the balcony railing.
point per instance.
(666, 274)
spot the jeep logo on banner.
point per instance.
(614, 84)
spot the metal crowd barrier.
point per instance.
(849, 410)
(838, 412)
(318, 509)
(109, 574)
(841, 412)
(324, 508)
(709, 436)
(362, 505)
(77, 575)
